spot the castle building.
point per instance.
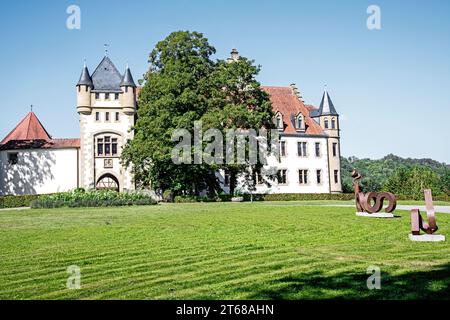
(32, 162)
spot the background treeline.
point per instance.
(398, 175)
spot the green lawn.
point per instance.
(274, 250)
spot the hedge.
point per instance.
(92, 198)
(17, 201)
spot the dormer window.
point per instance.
(279, 121)
(300, 122)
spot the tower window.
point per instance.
(126, 89)
(100, 146)
(106, 116)
(334, 149)
(107, 96)
(117, 116)
(283, 148)
(336, 176)
(301, 149)
(333, 123)
(319, 176)
(281, 176)
(13, 158)
(114, 146)
(107, 146)
(303, 176)
(116, 96)
(97, 116)
(317, 149)
(326, 123)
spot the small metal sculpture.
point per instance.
(364, 201)
(417, 223)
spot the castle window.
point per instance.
(114, 146)
(281, 176)
(97, 96)
(301, 149)
(334, 149)
(100, 146)
(126, 89)
(257, 177)
(106, 116)
(283, 148)
(97, 116)
(317, 149)
(13, 158)
(336, 176)
(117, 116)
(116, 96)
(303, 176)
(107, 96)
(326, 123)
(333, 123)
(107, 146)
(319, 176)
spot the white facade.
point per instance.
(39, 171)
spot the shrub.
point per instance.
(17, 201)
(92, 198)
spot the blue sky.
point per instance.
(391, 86)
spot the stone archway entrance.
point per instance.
(107, 182)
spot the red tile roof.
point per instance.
(285, 101)
(30, 128)
(31, 134)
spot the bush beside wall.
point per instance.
(17, 201)
(93, 198)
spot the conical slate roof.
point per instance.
(106, 77)
(30, 128)
(127, 79)
(85, 78)
(326, 107)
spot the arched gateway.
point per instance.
(107, 182)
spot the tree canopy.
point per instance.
(184, 85)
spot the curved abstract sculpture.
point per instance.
(371, 202)
(417, 223)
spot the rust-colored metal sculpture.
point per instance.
(364, 201)
(417, 223)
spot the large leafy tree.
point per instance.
(184, 85)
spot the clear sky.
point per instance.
(391, 86)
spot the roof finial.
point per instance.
(106, 49)
(127, 65)
(84, 63)
(325, 87)
(31, 108)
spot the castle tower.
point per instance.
(84, 87)
(106, 104)
(328, 119)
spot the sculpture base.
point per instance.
(375, 215)
(427, 237)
